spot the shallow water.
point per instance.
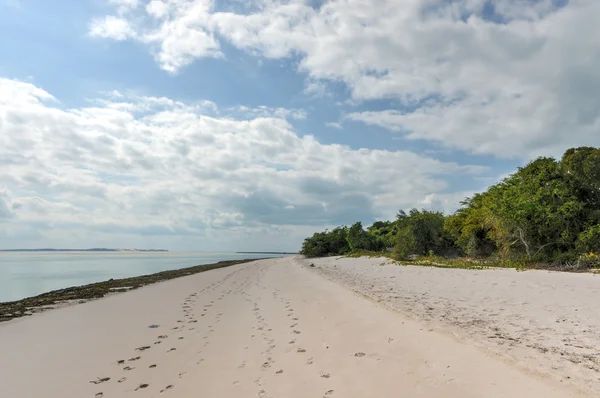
(26, 274)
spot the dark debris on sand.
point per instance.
(28, 306)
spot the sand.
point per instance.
(269, 329)
(544, 321)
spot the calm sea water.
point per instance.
(28, 274)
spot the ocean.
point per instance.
(26, 274)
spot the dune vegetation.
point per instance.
(546, 214)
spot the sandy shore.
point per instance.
(544, 321)
(271, 328)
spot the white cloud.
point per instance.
(157, 8)
(125, 3)
(520, 82)
(265, 111)
(187, 173)
(316, 88)
(111, 27)
(444, 202)
(334, 125)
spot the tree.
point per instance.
(328, 243)
(359, 239)
(547, 211)
(421, 233)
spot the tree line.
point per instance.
(546, 212)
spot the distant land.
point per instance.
(95, 249)
(267, 252)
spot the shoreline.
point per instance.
(28, 306)
(277, 328)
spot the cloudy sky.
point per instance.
(249, 124)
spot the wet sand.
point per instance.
(270, 328)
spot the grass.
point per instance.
(368, 253)
(473, 264)
(442, 262)
(15, 309)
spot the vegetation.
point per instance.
(547, 212)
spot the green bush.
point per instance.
(546, 212)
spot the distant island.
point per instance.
(95, 249)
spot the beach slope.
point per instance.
(270, 328)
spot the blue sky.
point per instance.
(199, 125)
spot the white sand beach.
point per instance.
(279, 328)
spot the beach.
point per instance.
(341, 328)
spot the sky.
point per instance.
(212, 125)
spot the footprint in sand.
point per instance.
(152, 366)
(166, 388)
(120, 361)
(99, 395)
(172, 349)
(142, 348)
(182, 374)
(122, 379)
(294, 325)
(157, 342)
(128, 368)
(100, 380)
(163, 336)
(294, 319)
(325, 375)
(180, 338)
(360, 354)
(310, 361)
(300, 350)
(330, 392)
(280, 371)
(266, 365)
(144, 385)
(133, 359)
(297, 332)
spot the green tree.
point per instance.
(328, 243)
(547, 211)
(421, 233)
(359, 239)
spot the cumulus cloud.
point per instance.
(131, 165)
(512, 78)
(111, 27)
